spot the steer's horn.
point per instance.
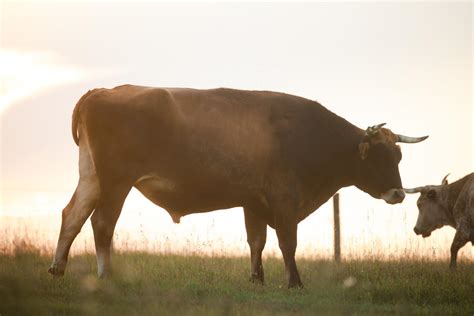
(445, 180)
(414, 190)
(410, 140)
(372, 130)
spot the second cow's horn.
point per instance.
(445, 180)
(414, 190)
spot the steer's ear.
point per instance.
(431, 194)
(364, 150)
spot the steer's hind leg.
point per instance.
(256, 238)
(104, 220)
(74, 215)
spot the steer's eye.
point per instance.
(431, 194)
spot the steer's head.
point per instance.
(432, 208)
(379, 156)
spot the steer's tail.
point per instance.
(76, 118)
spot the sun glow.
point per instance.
(26, 73)
(358, 60)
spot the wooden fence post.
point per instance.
(337, 229)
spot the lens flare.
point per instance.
(26, 73)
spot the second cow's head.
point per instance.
(432, 205)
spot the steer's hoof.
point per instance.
(56, 271)
(295, 285)
(258, 279)
(104, 275)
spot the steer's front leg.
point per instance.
(458, 242)
(286, 227)
(287, 242)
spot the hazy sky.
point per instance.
(407, 64)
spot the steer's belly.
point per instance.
(180, 200)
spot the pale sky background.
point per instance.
(407, 64)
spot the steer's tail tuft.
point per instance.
(76, 118)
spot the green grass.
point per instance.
(148, 284)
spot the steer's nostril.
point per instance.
(399, 194)
(416, 231)
(393, 196)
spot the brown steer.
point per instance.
(276, 155)
(447, 204)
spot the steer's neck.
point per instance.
(351, 164)
(336, 172)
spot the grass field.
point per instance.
(167, 284)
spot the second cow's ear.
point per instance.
(364, 150)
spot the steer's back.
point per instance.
(228, 136)
(222, 144)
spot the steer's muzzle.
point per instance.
(422, 233)
(393, 196)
